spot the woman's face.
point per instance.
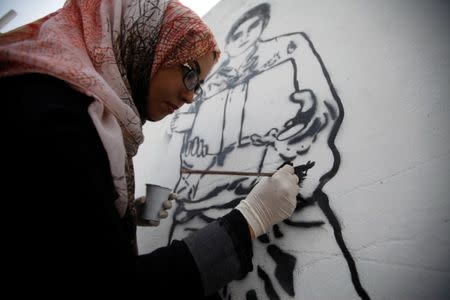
(167, 91)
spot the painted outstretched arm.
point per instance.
(296, 47)
(312, 87)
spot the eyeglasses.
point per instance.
(191, 79)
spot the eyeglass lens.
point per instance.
(191, 79)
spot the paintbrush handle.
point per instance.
(190, 171)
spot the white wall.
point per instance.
(389, 64)
(27, 11)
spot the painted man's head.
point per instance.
(247, 29)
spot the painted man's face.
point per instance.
(244, 36)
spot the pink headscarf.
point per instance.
(109, 50)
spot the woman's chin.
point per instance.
(154, 117)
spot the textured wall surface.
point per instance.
(358, 93)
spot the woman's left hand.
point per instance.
(162, 214)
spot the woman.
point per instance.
(78, 85)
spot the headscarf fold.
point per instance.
(109, 50)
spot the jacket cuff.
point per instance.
(237, 227)
(222, 251)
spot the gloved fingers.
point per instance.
(287, 172)
(173, 196)
(285, 162)
(297, 179)
(297, 187)
(286, 169)
(167, 204)
(295, 192)
(292, 178)
(292, 181)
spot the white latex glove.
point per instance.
(162, 214)
(271, 201)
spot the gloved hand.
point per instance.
(271, 201)
(163, 212)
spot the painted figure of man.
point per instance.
(268, 102)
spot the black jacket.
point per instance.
(64, 230)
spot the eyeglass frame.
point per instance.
(197, 89)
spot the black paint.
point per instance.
(284, 271)
(264, 238)
(302, 170)
(277, 232)
(322, 198)
(268, 286)
(305, 224)
(325, 206)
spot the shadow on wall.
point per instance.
(245, 120)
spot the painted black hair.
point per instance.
(262, 11)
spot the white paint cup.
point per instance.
(154, 198)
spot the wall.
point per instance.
(360, 90)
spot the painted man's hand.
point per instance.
(306, 99)
(196, 147)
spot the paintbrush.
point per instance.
(300, 171)
(191, 171)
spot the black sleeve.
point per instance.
(65, 220)
(63, 215)
(222, 251)
(214, 256)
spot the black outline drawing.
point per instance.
(310, 116)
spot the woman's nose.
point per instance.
(188, 96)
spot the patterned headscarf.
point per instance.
(109, 50)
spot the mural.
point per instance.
(246, 120)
